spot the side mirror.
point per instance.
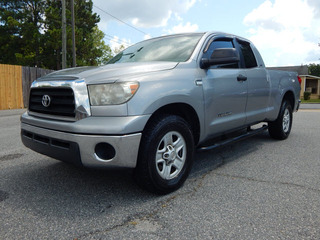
(221, 56)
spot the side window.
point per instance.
(249, 58)
(220, 43)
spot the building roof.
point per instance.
(310, 76)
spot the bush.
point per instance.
(306, 95)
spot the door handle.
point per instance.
(241, 78)
(198, 82)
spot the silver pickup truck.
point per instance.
(156, 102)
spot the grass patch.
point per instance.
(310, 101)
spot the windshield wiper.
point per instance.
(127, 54)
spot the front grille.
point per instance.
(61, 101)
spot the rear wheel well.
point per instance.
(183, 110)
(289, 96)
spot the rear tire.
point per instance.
(281, 127)
(165, 154)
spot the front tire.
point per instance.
(281, 127)
(165, 154)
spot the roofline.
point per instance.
(310, 76)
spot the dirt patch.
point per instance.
(10, 157)
(3, 195)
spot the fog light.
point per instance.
(105, 151)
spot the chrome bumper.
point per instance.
(80, 149)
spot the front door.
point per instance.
(225, 92)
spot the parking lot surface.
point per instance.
(258, 188)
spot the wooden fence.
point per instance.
(15, 84)
(10, 87)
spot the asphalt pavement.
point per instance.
(258, 188)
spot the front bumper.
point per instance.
(80, 149)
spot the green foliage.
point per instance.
(119, 49)
(306, 95)
(20, 27)
(314, 69)
(100, 48)
(30, 34)
(310, 101)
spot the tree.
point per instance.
(21, 23)
(119, 49)
(99, 48)
(90, 47)
(52, 36)
(30, 34)
(314, 69)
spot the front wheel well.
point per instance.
(183, 110)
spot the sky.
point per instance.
(286, 32)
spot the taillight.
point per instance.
(299, 79)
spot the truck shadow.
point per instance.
(61, 190)
(210, 160)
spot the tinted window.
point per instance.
(249, 58)
(176, 48)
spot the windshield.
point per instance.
(175, 48)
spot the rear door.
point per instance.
(225, 92)
(258, 84)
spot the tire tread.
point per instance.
(275, 127)
(143, 172)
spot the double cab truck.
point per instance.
(158, 101)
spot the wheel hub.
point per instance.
(286, 121)
(170, 155)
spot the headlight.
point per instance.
(112, 93)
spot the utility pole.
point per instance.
(74, 62)
(64, 35)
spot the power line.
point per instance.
(113, 39)
(116, 41)
(120, 20)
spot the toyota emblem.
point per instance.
(46, 100)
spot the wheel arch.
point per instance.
(183, 110)
(289, 96)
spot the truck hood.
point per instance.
(107, 73)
